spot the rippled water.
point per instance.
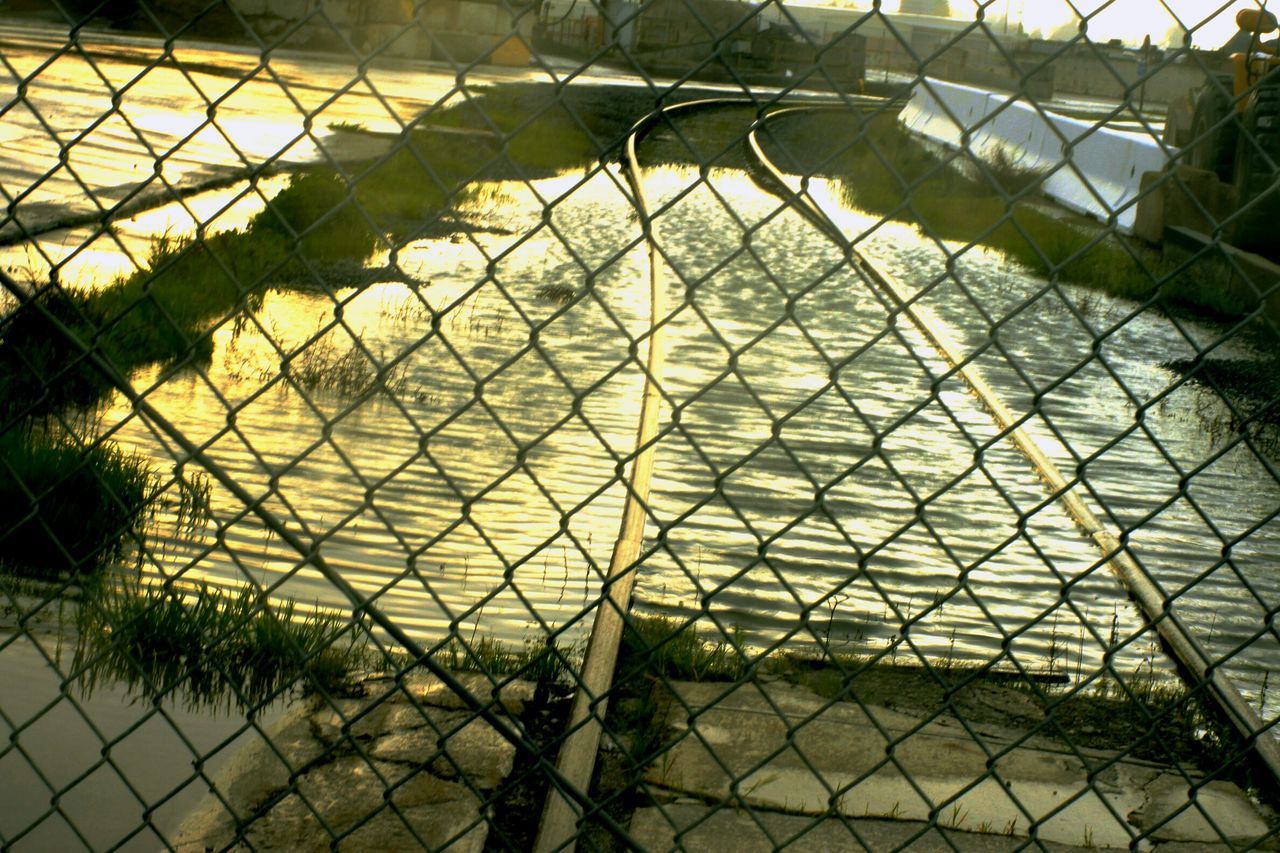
(818, 481)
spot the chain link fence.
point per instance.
(681, 424)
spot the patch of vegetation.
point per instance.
(540, 661)
(889, 172)
(1240, 397)
(348, 127)
(325, 365)
(66, 507)
(533, 126)
(558, 294)
(165, 312)
(673, 649)
(516, 131)
(1138, 715)
(1002, 170)
(1143, 716)
(316, 220)
(336, 363)
(212, 647)
(703, 138)
(1148, 718)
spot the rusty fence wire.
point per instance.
(659, 425)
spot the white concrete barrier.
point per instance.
(1103, 167)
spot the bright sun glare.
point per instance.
(1211, 22)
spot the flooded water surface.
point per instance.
(452, 440)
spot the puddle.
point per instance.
(119, 767)
(482, 495)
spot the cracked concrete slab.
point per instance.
(1204, 812)
(781, 748)
(400, 768)
(697, 828)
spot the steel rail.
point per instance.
(559, 829)
(1133, 577)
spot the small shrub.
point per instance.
(1002, 168)
(671, 648)
(65, 507)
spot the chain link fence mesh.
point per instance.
(681, 424)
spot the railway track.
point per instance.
(578, 752)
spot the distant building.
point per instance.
(713, 38)
(935, 8)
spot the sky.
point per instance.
(1129, 20)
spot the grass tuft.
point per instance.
(673, 649)
(557, 294)
(68, 508)
(1002, 169)
(214, 647)
(543, 661)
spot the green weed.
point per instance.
(70, 508)
(1004, 171)
(542, 661)
(214, 647)
(670, 648)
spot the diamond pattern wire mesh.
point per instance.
(330, 332)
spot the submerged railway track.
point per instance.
(562, 813)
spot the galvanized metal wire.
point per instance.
(339, 341)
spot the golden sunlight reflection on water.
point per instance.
(816, 470)
(85, 257)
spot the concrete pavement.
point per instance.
(752, 767)
(756, 764)
(405, 766)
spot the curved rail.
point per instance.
(558, 828)
(1136, 581)
(576, 762)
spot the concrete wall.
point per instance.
(1094, 77)
(451, 30)
(1104, 168)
